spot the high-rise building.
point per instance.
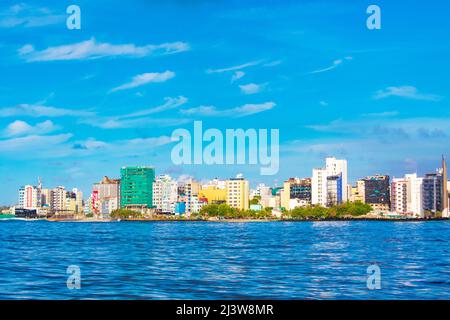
(191, 189)
(165, 194)
(432, 193)
(319, 187)
(445, 208)
(399, 195)
(296, 193)
(415, 195)
(238, 193)
(29, 197)
(106, 196)
(58, 196)
(376, 192)
(136, 190)
(334, 190)
(337, 167)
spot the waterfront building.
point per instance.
(319, 187)
(106, 196)
(238, 192)
(165, 194)
(334, 190)
(376, 192)
(356, 193)
(432, 193)
(191, 189)
(180, 208)
(296, 193)
(415, 195)
(336, 167)
(445, 208)
(399, 196)
(58, 197)
(74, 201)
(29, 197)
(136, 189)
(213, 194)
(321, 184)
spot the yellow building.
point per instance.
(213, 194)
(238, 193)
(296, 193)
(357, 193)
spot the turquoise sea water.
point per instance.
(200, 260)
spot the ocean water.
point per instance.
(200, 260)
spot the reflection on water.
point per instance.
(280, 260)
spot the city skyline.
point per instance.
(377, 98)
(139, 187)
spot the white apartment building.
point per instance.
(336, 167)
(319, 187)
(165, 193)
(407, 195)
(29, 197)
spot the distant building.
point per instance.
(136, 190)
(321, 184)
(238, 193)
(432, 193)
(106, 196)
(191, 190)
(376, 192)
(399, 195)
(213, 194)
(165, 194)
(319, 187)
(29, 197)
(296, 193)
(356, 193)
(334, 190)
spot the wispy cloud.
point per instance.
(323, 103)
(23, 15)
(91, 49)
(336, 63)
(242, 111)
(21, 128)
(145, 78)
(382, 114)
(408, 92)
(30, 110)
(251, 88)
(237, 75)
(139, 119)
(273, 63)
(234, 68)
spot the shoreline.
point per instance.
(382, 219)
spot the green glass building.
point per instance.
(136, 186)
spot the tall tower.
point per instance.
(445, 212)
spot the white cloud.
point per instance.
(139, 119)
(273, 63)
(237, 75)
(408, 92)
(242, 111)
(22, 15)
(251, 88)
(234, 68)
(20, 128)
(336, 63)
(91, 49)
(31, 110)
(145, 78)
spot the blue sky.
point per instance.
(76, 105)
